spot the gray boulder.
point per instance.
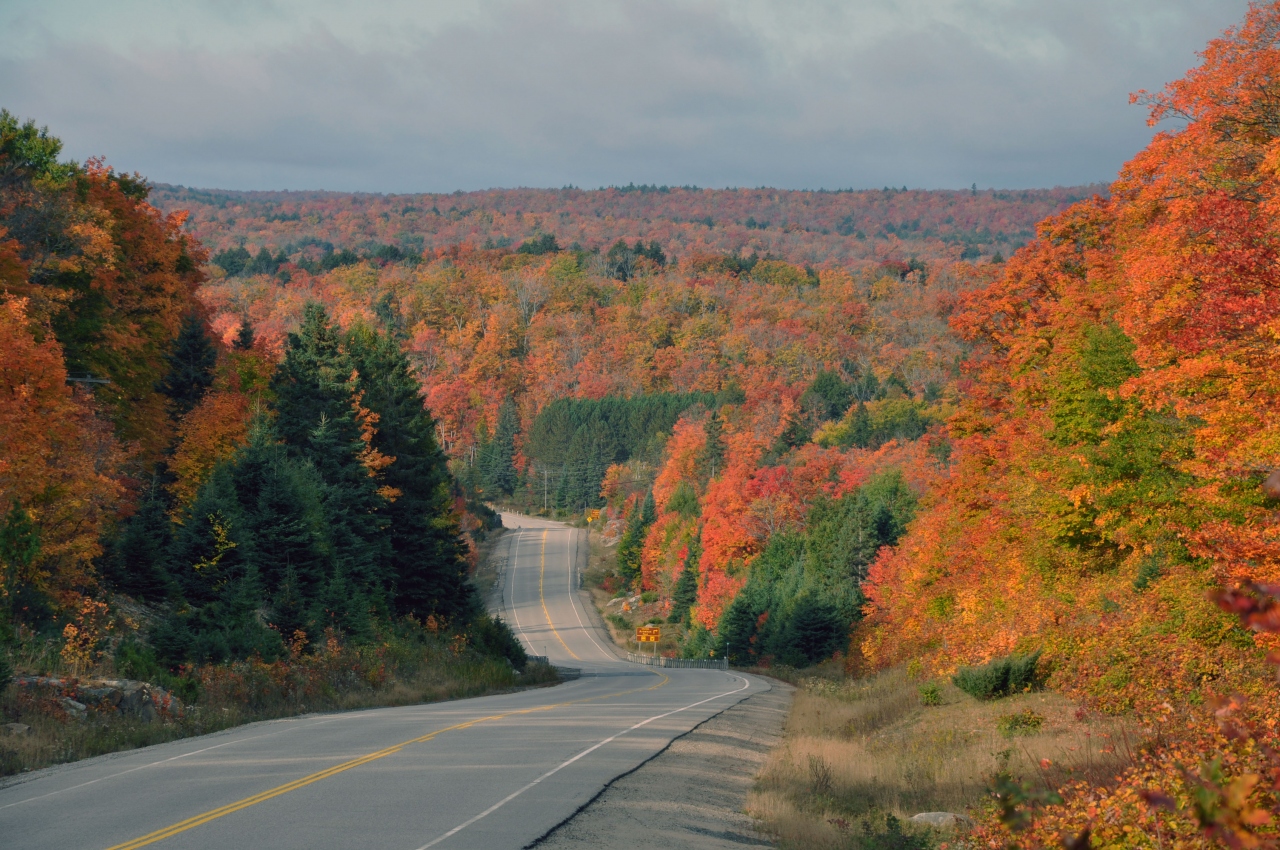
(943, 820)
(16, 729)
(73, 707)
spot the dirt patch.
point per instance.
(692, 794)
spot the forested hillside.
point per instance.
(1113, 463)
(874, 426)
(325, 229)
(255, 500)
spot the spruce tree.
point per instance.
(498, 471)
(685, 594)
(135, 562)
(244, 337)
(632, 542)
(859, 433)
(317, 388)
(711, 459)
(427, 560)
(191, 365)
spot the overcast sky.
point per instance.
(435, 96)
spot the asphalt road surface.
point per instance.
(492, 772)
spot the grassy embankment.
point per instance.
(404, 668)
(857, 751)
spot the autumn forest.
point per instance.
(888, 427)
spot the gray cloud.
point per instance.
(407, 97)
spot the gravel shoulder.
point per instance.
(692, 794)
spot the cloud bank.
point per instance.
(400, 96)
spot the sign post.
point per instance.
(649, 634)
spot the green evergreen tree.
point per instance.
(244, 337)
(498, 469)
(135, 561)
(632, 541)
(191, 365)
(859, 433)
(316, 389)
(685, 594)
(428, 555)
(711, 459)
(829, 396)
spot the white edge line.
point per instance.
(573, 603)
(511, 574)
(745, 684)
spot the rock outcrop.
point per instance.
(125, 697)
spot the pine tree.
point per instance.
(685, 594)
(498, 470)
(632, 542)
(135, 562)
(191, 365)
(427, 560)
(244, 337)
(711, 460)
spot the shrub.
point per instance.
(892, 836)
(820, 775)
(6, 671)
(619, 622)
(648, 596)
(999, 678)
(492, 636)
(1020, 723)
(930, 694)
(135, 660)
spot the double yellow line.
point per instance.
(542, 572)
(214, 814)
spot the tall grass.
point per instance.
(855, 752)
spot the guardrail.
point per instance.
(695, 663)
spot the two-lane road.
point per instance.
(539, 596)
(493, 772)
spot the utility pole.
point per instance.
(544, 488)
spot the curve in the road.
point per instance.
(491, 772)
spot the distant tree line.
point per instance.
(577, 440)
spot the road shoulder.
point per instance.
(690, 795)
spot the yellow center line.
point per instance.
(262, 797)
(542, 571)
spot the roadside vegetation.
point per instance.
(197, 531)
(64, 722)
(860, 757)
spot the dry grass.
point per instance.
(855, 751)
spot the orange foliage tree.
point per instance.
(57, 460)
